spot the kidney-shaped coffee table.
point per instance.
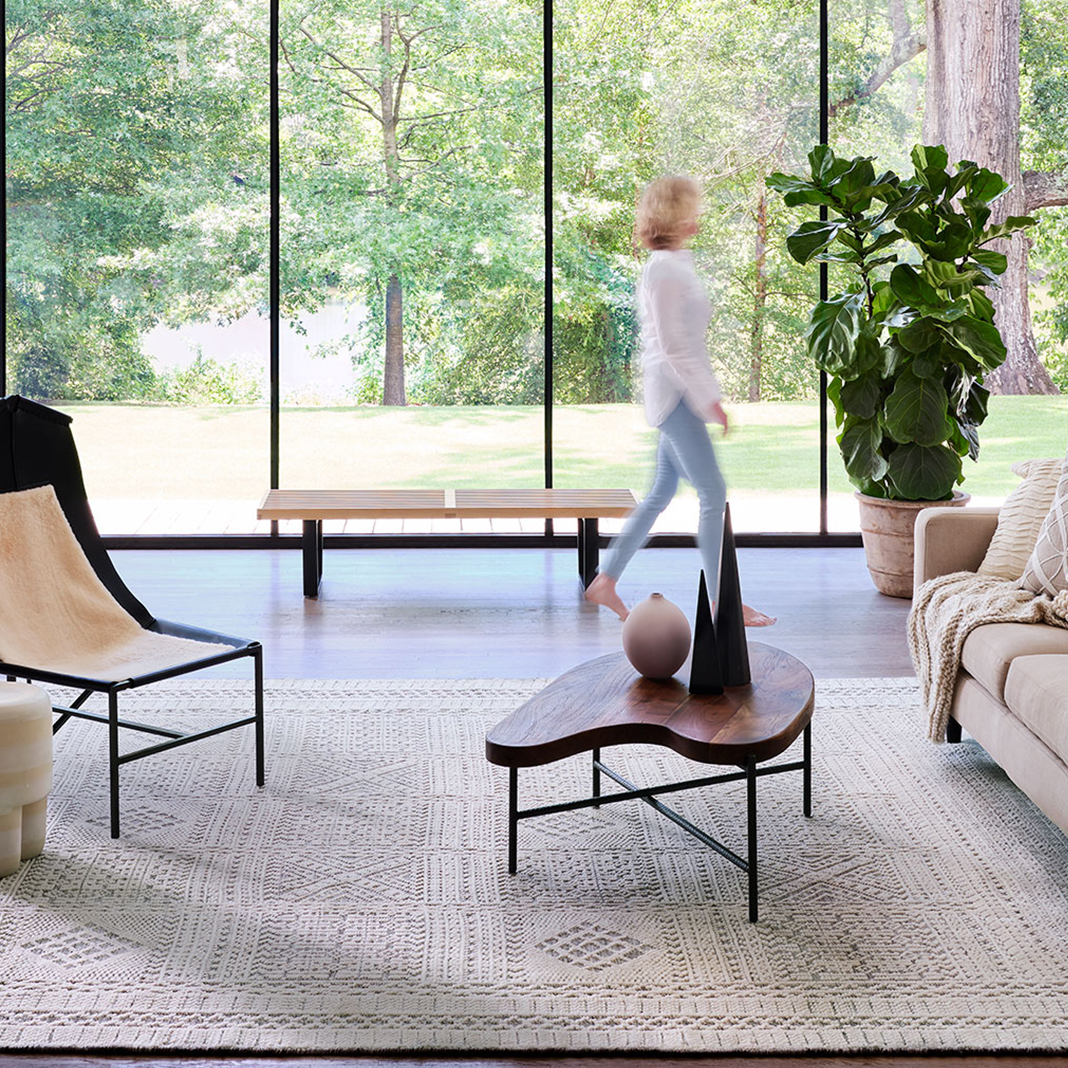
(606, 702)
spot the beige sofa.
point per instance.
(1012, 692)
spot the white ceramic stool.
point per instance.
(25, 771)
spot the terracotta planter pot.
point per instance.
(887, 529)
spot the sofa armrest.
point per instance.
(951, 539)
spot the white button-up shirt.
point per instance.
(674, 311)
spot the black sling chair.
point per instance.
(37, 448)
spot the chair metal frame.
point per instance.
(88, 687)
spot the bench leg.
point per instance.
(588, 550)
(312, 555)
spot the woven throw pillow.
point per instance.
(1020, 519)
(1047, 569)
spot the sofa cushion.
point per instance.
(990, 649)
(1021, 518)
(1047, 566)
(1036, 691)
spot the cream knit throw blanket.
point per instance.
(946, 610)
(56, 615)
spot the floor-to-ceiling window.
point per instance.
(412, 246)
(136, 249)
(727, 94)
(414, 319)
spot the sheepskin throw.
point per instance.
(945, 611)
(55, 613)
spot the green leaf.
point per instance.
(920, 335)
(834, 392)
(867, 354)
(923, 472)
(963, 439)
(832, 332)
(975, 405)
(918, 227)
(982, 306)
(926, 365)
(981, 340)
(821, 159)
(910, 196)
(883, 241)
(926, 157)
(811, 238)
(849, 185)
(798, 190)
(995, 262)
(860, 397)
(978, 213)
(884, 300)
(931, 162)
(953, 242)
(966, 171)
(894, 356)
(986, 186)
(911, 289)
(860, 443)
(916, 410)
(1008, 227)
(808, 196)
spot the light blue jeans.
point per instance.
(685, 448)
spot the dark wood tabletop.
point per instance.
(606, 702)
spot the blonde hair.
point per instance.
(665, 206)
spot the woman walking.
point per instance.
(681, 391)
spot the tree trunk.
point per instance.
(760, 299)
(973, 108)
(393, 379)
(393, 375)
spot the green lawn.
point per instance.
(140, 451)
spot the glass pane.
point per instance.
(412, 248)
(727, 94)
(137, 208)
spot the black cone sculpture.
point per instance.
(720, 653)
(730, 617)
(705, 673)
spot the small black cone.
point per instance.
(706, 675)
(730, 620)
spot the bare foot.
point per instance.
(753, 618)
(602, 591)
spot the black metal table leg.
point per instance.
(596, 775)
(257, 661)
(806, 772)
(750, 783)
(312, 556)
(589, 550)
(513, 817)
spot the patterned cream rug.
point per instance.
(360, 902)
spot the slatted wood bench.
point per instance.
(311, 507)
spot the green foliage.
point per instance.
(907, 352)
(206, 381)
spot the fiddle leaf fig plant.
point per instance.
(908, 341)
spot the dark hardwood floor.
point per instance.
(469, 613)
(502, 613)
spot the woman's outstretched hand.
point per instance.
(718, 415)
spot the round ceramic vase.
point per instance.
(656, 637)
